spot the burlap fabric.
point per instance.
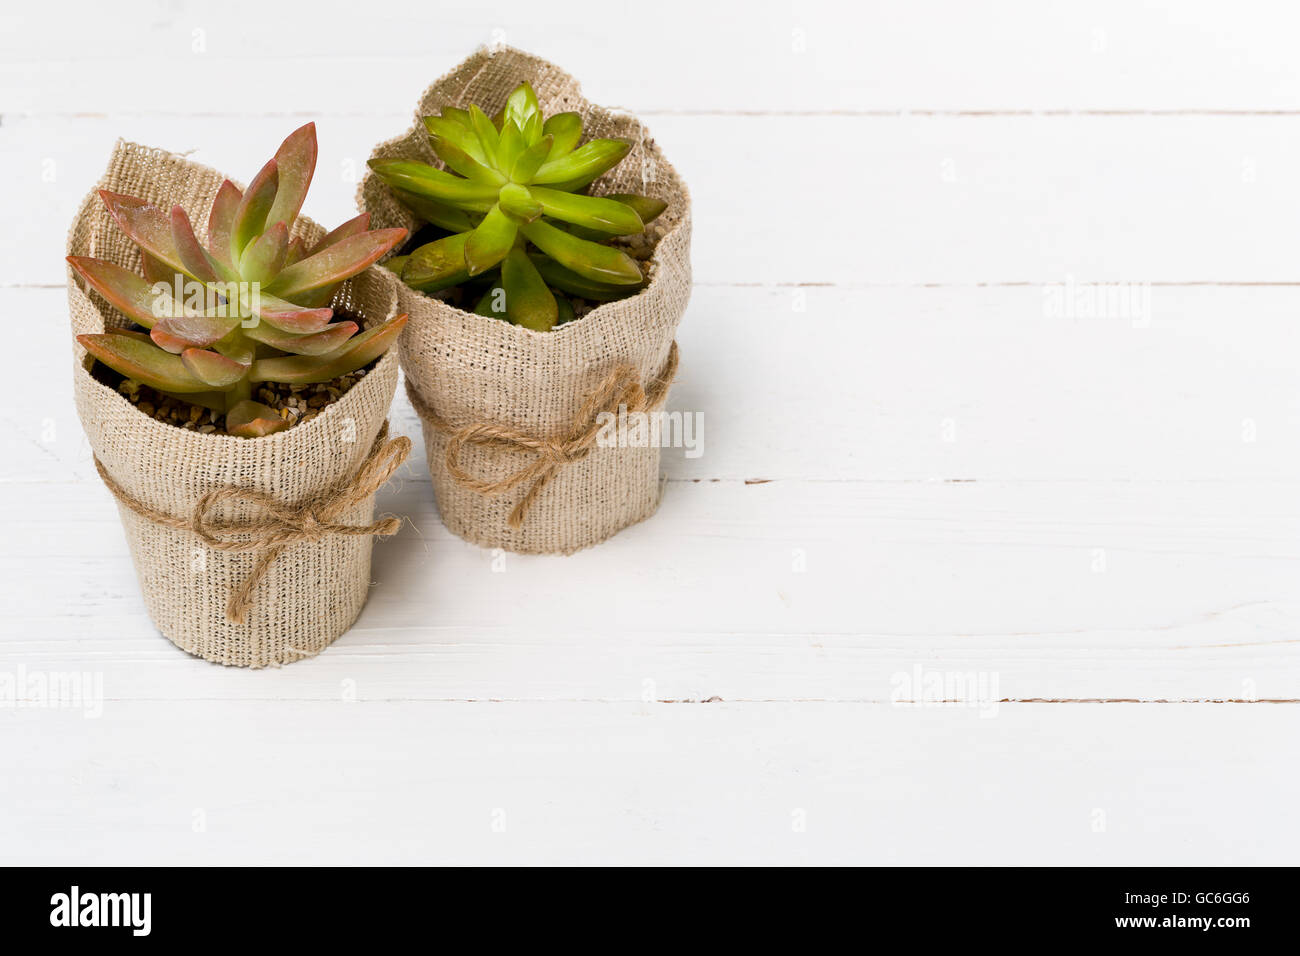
(471, 369)
(313, 591)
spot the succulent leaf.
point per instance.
(213, 367)
(530, 161)
(438, 213)
(492, 303)
(566, 280)
(285, 316)
(457, 134)
(130, 333)
(528, 302)
(196, 259)
(511, 146)
(265, 256)
(237, 347)
(424, 180)
(295, 162)
(155, 270)
(490, 241)
(165, 340)
(458, 115)
(646, 207)
(353, 227)
(327, 340)
(250, 216)
(297, 250)
(487, 134)
(564, 308)
(249, 419)
(180, 332)
(134, 297)
(307, 369)
(521, 105)
(533, 132)
(583, 165)
(592, 212)
(138, 358)
(147, 226)
(221, 223)
(437, 265)
(565, 129)
(335, 263)
(462, 162)
(589, 259)
(519, 202)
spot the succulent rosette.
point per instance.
(249, 305)
(510, 199)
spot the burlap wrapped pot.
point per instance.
(288, 587)
(514, 405)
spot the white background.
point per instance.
(913, 464)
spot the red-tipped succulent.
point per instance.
(250, 306)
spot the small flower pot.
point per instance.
(507, 411)
(237, 542)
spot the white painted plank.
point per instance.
(83, 56)
(972, 489)
(782, 591)
(202, 782)
(841, 200)
(888, 384)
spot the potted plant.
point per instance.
(234, 382)
(548, 269)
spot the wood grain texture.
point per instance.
(753, 58)
(896, 200)
(869, 384)
(414, 782)
(994, 342)
(787, 590)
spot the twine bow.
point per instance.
(621, 387)
(278, 525)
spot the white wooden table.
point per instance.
(995, 336)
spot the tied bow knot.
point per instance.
(620, 389)
(276, 525)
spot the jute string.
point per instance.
(621, 387)
(279, 525)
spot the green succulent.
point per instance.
(257, 309)
(510, 200)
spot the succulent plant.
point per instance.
(510, 199)
(251, 306)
